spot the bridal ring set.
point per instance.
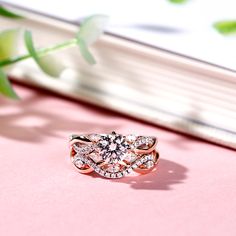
(113, 155)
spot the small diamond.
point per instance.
(113, 175)
(97, 169)
(145, 158)
(113, 168)
(130, 157)
(144, 142)
(89, 162)
(95, 157)
(142, 160)
(134, 166)
(93, 165)
(150, 157)
(108, 175)
(79, 163)
(83, 149)
(119, 175)
(129, 170)
(138, 162)
(94, 137)
(131, 138)
(149, 164)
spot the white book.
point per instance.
(142, 81)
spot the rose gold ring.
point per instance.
(113, 155)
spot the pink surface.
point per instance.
(192, 193)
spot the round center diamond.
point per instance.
(113, 147)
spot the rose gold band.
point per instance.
(113, 155)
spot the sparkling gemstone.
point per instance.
(144, 142)
(79, 163)
(95, 157)
(113, 175)
(97, 169)
(129, 170)
(150, 157)
(130, 157)
(83, 149)
(94, 137)
(113, 147)
(119, 175)
(108, 175)
(134, 166)
(131, 138)
(149, 164)
(138, 163)
(113, 168)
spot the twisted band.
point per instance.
(113, 155)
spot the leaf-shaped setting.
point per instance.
(8, 43)
(9, 14)
(90, 30)
(226, 27)
(49, 64)
(5, 87)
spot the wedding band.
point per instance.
(113, 155)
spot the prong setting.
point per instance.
(113, 155)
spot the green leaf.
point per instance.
(8, 43)
(85, 52)
(178, 1)
(225, 27)
(6, 13)
(90, 30)
(5, 87)
(48, 64)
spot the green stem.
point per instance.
(41, 52)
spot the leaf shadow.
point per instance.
(47, 123)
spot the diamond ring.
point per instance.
(113, 155)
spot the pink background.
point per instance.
(41, 193)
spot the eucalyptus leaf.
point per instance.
(5, 86)
(91, 28)
(226, 27)
(6, 13)
(85, 52)
(8, 43)
(48, 63)
(178, 1)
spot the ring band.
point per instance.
(113, 155)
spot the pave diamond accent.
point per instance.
(83, 149)
(79, 163)
(113, 155)
(113, 168)
(144, 142)
(131, 138)
(113, 147)
(94, 137)
(95, 157)
(130, 157)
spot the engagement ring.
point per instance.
(113, 155)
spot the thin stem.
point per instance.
(41, 52)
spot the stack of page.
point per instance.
(143, 81)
